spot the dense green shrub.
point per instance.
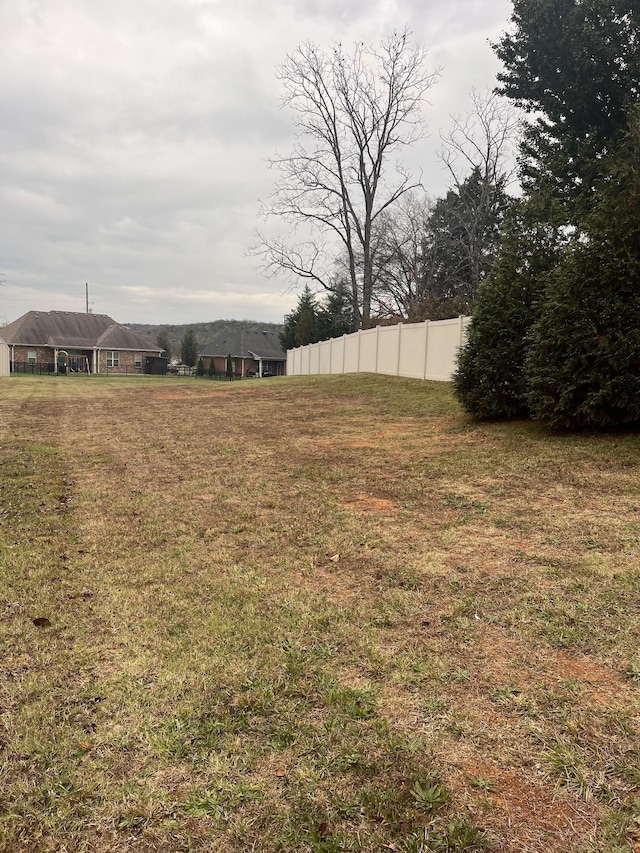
(490, 378)
(584, 362)
(583, 366)
(556, 331)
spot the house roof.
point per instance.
(68, 329)
(245, 343)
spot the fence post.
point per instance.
(426, 347)
(399, 348)
(359, 336)
(377, 345)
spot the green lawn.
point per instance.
(313, 614)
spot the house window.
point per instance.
(113, 358)
(138, 359)
(32, 356)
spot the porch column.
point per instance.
(55, 359)
(94, 360)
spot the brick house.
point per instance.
(69, 342)
(254, 352)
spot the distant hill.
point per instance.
(204, 331)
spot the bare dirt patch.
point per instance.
(365, 503)
(522, 813)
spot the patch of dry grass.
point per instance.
(316, 614)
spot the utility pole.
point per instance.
(86, 290)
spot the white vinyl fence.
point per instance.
(4, 358)
(426, 350)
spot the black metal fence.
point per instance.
(33, 367)
(48, 368)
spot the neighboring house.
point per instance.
(254, 352)
(68, 342)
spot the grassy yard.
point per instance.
(316, 615)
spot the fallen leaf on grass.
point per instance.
(335, 558)
(281, 771)
(41, 622)
(85, 744)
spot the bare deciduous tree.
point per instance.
(403, 260)
(351, 113)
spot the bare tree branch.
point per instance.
(483, 138)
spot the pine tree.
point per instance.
(574, 66)
(189, 348)
(490, 378)
(335, 315)
(300, 325)
(163, 341)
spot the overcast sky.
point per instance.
(135, 134)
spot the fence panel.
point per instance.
(337, 355)
(388, 343)
(443, 341)
(368, 351)
(352, 353)
(305, 360)
(413, 350)
(324, 357)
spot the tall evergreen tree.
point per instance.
(163, 341)
(574, 66)
(189, 348)
(463, 231)
(300, 325)
(335, 314)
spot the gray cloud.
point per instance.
(135, 135)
